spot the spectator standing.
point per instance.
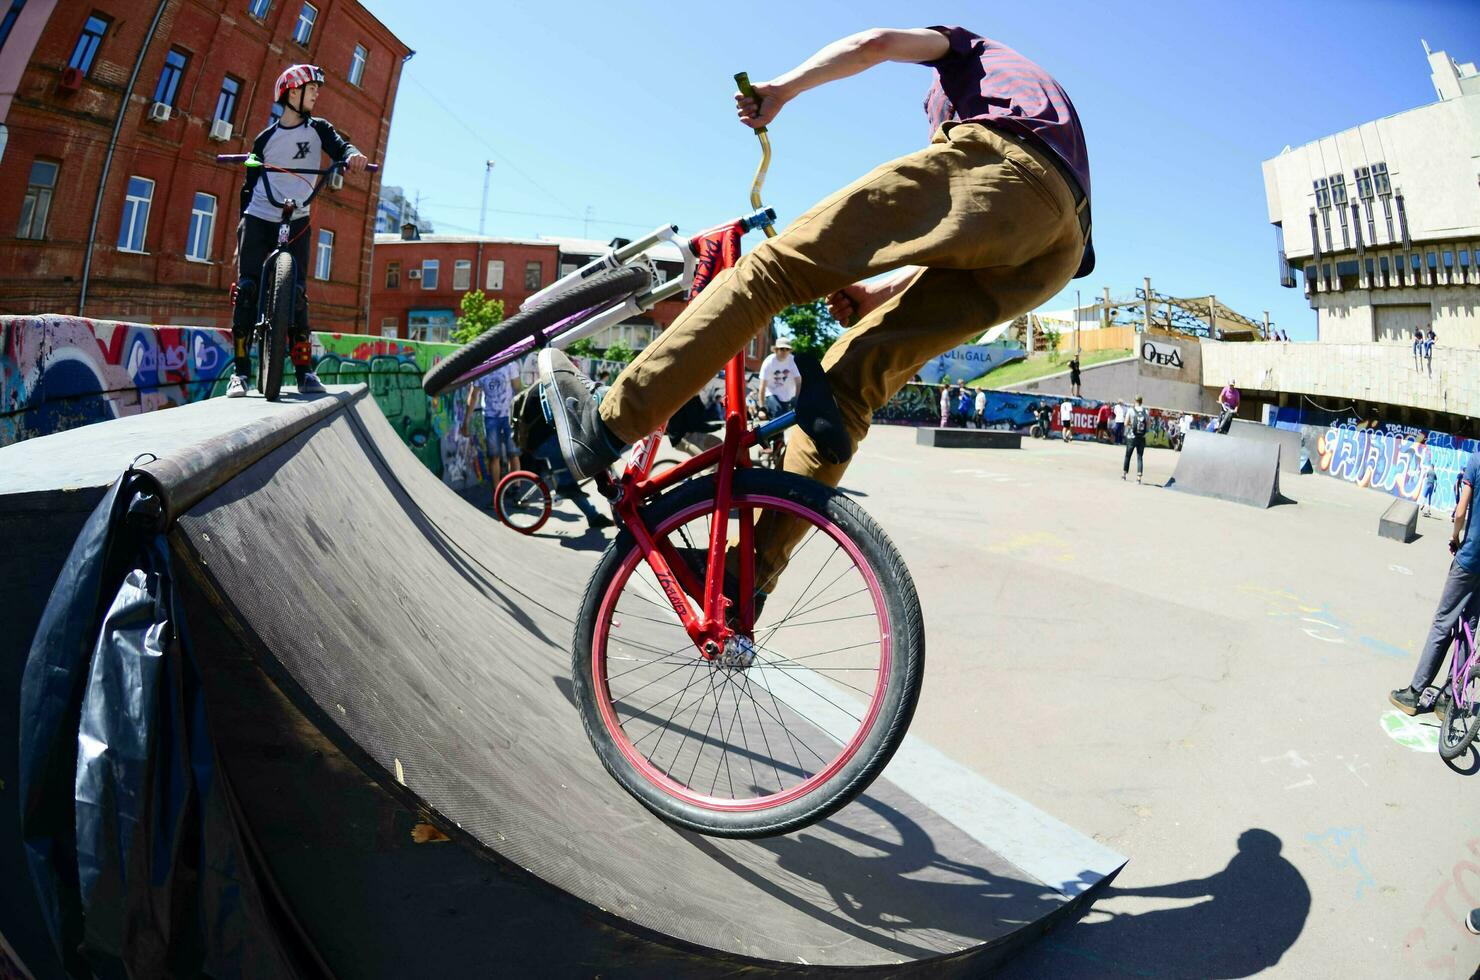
(1430, 481)
(945, 403)
(980, 413)
(1137, 422)
(1417, 344)
(963, 405)
(1102, 423)
(1428, 349)
(781, 380)
(1074, 376)
(1119, 416)
(1066, 419)
(1460, 596)
(1228, 398)
(1184, 426)
(496, 389)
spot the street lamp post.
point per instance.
(483, 211)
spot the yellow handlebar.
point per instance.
(742, 80)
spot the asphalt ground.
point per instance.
(1200, 685)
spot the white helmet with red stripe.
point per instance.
(296, 76)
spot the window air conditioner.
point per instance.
(159, 112)
(220, 130)
(71, 80)
(413, 274)
(336, 181)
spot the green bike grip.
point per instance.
(742, 79)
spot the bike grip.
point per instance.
(742, 80)
(233, 157)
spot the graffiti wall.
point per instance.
(59, 372)
(1390, 463)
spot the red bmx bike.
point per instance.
(723, 708)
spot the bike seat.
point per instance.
(817, 412)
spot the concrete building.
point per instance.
(1382, 222)
(111, 203)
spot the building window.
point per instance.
(1387, 214)
(1433, 259)
(8, 21)
(429, 270)
(1380, 179)
(1402, 219)
(303, 30)
(1364, 183)
(1448, 260)
(36, 205)
(393, 275)
(259, 8)
(169, 79)
(226, 101)
(325, 259)
(462, 274)
(202, 226)
(357, 64)
(567, 268)
(1338, 190)
(1341, 214)
(1382, 264)
(390, 326)
(1323, 196)
(275, 113)
(495, 280)
(1464, 258)
(1371, 224)
(87, 44)
(1326, 224)
(532, 274)
(135, 214)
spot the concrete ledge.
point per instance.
(1399, 521)
(968, 438)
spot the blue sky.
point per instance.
(622, 113)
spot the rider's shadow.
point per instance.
(1248, 915)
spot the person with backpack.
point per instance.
(1137, 420)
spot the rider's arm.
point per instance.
(340, 150)
(1461, 512)
(842, 58)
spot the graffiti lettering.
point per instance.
(1392, 464)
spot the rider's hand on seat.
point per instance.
(757, 114)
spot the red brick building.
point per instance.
(165, 211)
(417, 284)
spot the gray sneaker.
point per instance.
(570, 400)
(237, 386)
(310, 384)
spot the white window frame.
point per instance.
(323, 263)
(357, 62)
(431, 271)
(132, 207)
(390, 326)
(37, 203)
(259, 8)
(303, 27)
(462, 274)
(202, 229)
(495, 279)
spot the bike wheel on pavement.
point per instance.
(278, 305)
(762, 749)
(1461, 722)
(522, 501)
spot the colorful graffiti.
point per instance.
(59, 372)
(1390, 463)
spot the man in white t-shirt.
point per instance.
(1066, 419)
(496, 388)
(1119, 422)
(780, 380)
(1184, 426)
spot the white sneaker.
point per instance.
(237, 386)
(310, 384)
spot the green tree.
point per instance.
(811, 326)
(478, 314)
(1051, 338)
(618, 352)
(585, 347)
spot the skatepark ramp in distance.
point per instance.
(1245, 471)
(385, 683)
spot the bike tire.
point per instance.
(843, 778)
(270, 337)
(1462, 723)
(519, 334)
(515, 494)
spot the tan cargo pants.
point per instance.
(991, 221)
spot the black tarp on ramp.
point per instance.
(1245, 471)
(385, 678)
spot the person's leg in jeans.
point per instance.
(1458, 598)
(1125, 467)
(1140, 457)
(300, 350)
(255, 238)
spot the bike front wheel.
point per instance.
(1462, 721)
(522, 501)
(279, 302)
(804, 727)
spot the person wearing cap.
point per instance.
(296, 141)
(781, 382)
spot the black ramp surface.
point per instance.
(1244, 471)
(1291, 443)
(431, 646)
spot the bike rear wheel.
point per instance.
(522, 501)
(530, 329)
(781, 743)
(278, 304)
(1462, 722)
